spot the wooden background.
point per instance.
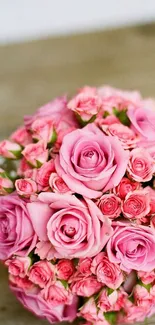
(33, 73)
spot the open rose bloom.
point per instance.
(77, 223)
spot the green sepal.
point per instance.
(111, 317)
(122, 116)
(16, 153)
(64, 283)
(82, 122)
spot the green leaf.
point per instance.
(16, 153)
(122, 116)
(64, 283)
(39, 164)
(82, 122)
(54, 137)
(109, 291)
(111, 317)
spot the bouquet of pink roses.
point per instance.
(77, 219)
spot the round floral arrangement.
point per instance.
(77, 218)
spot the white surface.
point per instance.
(29, 19)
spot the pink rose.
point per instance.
(107, 272)
(18, 266)
(65, 269)
(136, 204)
(132, 247)
(108, 92)
(86, 103)
(41, 273)
(104, 122)
(56, 294)
(10, 149)
(43, 129)
(16, 231)
(107, 302)
(90, 162)
(125, 186)
(23, 167)
(44, 250)
(21, 282)
(89, 311)
(141, 165)
(143, 122)
(6, 185)
(41, 308)
(57, 184)
(110, 205)
(84, 266)
(21, 136)
(86, 287)
(142, 297)
(75, 228)
(123, 133)
(36, 154)
(44, 172)
(147, 277)
(25, 187)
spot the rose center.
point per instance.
(4, 227)
(69, 231)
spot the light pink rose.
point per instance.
(10, 149)
(107, 92)
(56, 110)
(86, 103)
(25, 187)
(90, 162)
(107, 302)
(107, 272)
(44, 172)
(56, 294)
(123, 133)
(18, 266)
(41, 273)
(65, 269)
(143, 122)
(86, 287)
(43, 129)
(6, 185)
(75, 228)
(110, 205)
(136, 204)
(142, 297)
(147, 277)
(57, 184)
(21, 136)
(132, 315)
(21, 282)
(141, 165)
(90, 312)
(84, 266)
(45, 250)
(41, 308)
(16, 230)
(36, 154)
(104, 122)
(132, 247)
(149, 146)
(125, 186)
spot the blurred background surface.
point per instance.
(49, 48)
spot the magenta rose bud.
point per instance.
(18, 265)
(110, 205)
(90, 312)
(41, 273)
(44, 172)
(132, 247)
(86, 103)
(56, 294)
(85, 287)
(10, 149)
(136, 204)
(107, 302)
(17, 235)
(36, 154)
(21, 282)
(74, 228)
(43, 129)
(6, 185)
(21, 136)
(125, 186)
(65, 269)
(84, 266)
(89, 162)
(124, 134)
(25, 187)
(141, 165)
(147, 277)
(107, 273)
(57, 184)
